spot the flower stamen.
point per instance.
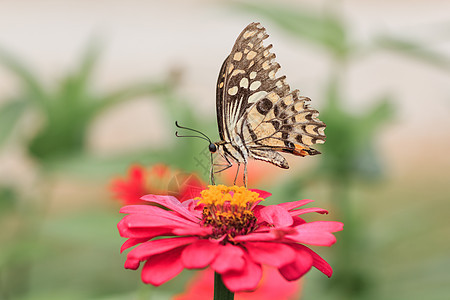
(228, 210)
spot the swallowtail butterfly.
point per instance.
(257, 114)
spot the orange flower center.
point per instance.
(228, 210)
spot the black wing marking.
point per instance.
(284, 124)
(258, 107)
(237, 85)
(219, 99)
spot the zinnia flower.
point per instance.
(159, 179)
(228, 230)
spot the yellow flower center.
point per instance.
(228, 210)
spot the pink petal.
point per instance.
(255, 237)
(246, 279)
(262, 194)
(193, 230)
(171, 203)
(154, 211)
(299, 267)
(292, 205)
(162, 267)
(190, 204)
(316, 233)
(273, 235)
(199, 254)
(140, 209)
(275, 215)
(330, 226)
(146, 221)
(228, 258)
(308, 210)
(297, 221)
(150, 248)
(193, 207)
(256, 210)
(272, 254)
(132, 264)
(313, 238)
(132, 242)
(318, 261)
(147, 233)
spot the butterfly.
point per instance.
(258, 115)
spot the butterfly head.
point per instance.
(212, 148)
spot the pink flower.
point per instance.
(159, 179)
(130, 190)
(272, 286)
(229, 231)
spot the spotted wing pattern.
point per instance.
(257, 113)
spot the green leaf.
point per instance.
(10, 114)
(81, 79)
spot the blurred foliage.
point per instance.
(76, 256)
(350, 150)
(412, 49)
(8, 198)
(326, 30)
(65, 111)
(9, 116)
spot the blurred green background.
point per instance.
(89, 88)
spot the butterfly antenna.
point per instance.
(196, 136)
(204, 136)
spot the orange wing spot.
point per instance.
(304, 151)
(300, 150)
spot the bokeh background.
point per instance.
(88, 88)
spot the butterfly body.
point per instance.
(257, 114)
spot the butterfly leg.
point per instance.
(225, 166)
(237, 172)
(245, 175)
(211, 175)
(211, 172)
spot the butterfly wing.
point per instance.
(234, 93)
(257, 113)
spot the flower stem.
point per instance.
(220, 290)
